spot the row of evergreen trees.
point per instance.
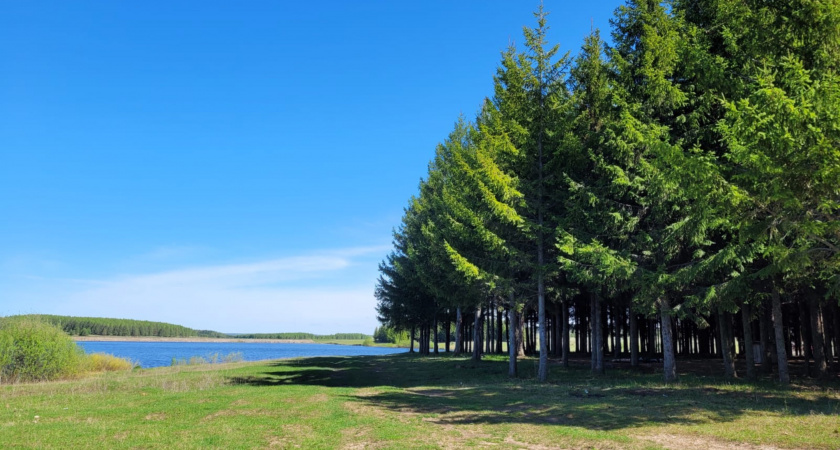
(307, 336)
(647, 192)
(83, 326)
(100, 326)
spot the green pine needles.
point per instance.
(641, 196)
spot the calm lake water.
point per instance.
(157, 354)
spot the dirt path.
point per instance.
(686, 442)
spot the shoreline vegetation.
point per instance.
(33, 350)
(352, 342)
(93, 338)
(110, 329)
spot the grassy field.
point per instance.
(403, 401)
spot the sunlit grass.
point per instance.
(404, 401)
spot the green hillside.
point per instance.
(101, 326)
(83, 326)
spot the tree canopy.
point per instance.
(641, 195)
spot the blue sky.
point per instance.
(235, 166)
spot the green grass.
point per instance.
(404, 401)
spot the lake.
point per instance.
(157, 354)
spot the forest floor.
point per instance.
(407, 401)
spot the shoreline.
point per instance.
(187, 339)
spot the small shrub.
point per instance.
(233, 357)
(368, 342)
(32, 350)
(212, 358)
(6, 353)
(103, 362)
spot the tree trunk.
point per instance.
(427, 339)
(746, 322)
(448, 330)
(508, 329)
(512, 344)
(582, 327)
(597, 336)
(616, 338)
(411, 345)
(827, 334)
(520, 333)
(781, 354)
(526, 333)
(634, 339)
(566, 343)
(476, 355)
(487, 327)
(817, 340)
(458, 333)
(542, 374)
(532, 347)
(836, 309)
(669, 361)
(499, 337)
(651, 338)
(435, 331)
(605, 328)
(804, 334)
(727, 347)
(764, 337)
(421, 346)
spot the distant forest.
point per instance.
(83, 326)
(99, 326)
(314, 337)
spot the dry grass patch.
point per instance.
(291, 436)
(697, 442)
(156, 416)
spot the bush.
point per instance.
(212, 358)
(233, 357)
(32, 350)
(103, 362)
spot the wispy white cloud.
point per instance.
(321, 292)
(169, 252)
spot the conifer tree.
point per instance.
(529, 107)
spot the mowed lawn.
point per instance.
(405, 401)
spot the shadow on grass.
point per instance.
(457, 391)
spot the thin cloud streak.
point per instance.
(322, 292)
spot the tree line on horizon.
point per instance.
(669, 192)
(301, 335)
(101, 326)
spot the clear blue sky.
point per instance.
(235, 166)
